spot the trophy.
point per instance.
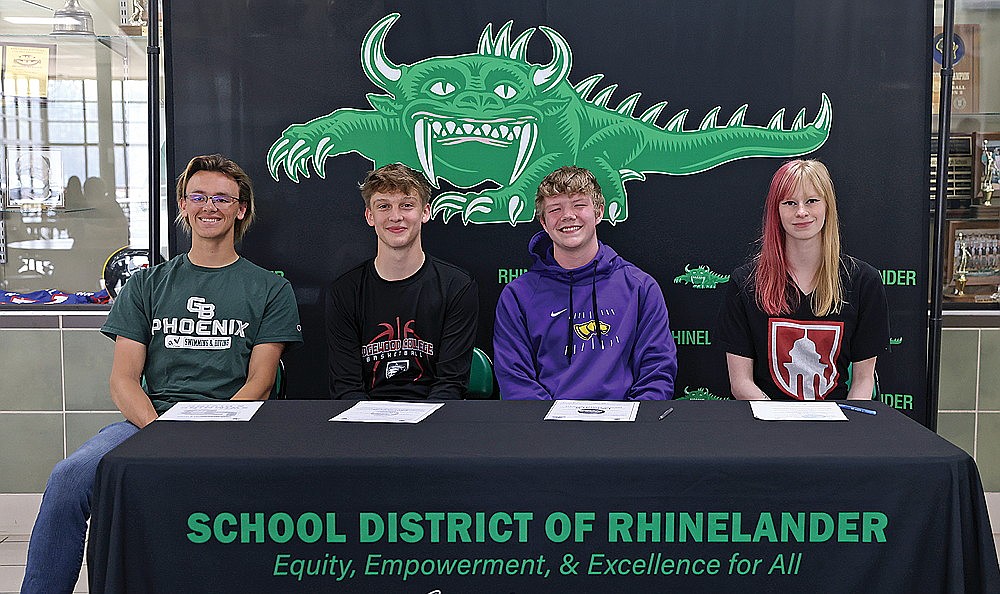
(962, 265)
(990, 171)
(134, 16)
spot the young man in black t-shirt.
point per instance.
(401, 326)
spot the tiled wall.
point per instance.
(53, 391)
(969, 406)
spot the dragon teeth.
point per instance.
(529, 134)
(445, 128)
(425, 153)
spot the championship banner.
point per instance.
(682, 113)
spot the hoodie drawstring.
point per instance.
(597, 318)
(569, 326)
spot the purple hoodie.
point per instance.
(610, 313)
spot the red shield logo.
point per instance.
(803, 356)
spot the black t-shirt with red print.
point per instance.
(801, 356)
(410, 339)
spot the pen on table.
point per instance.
(665, 413)
(859, 409)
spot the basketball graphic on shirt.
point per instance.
(803, 356)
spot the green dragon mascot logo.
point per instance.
(700, 394)
(493, 120)
(701, 277)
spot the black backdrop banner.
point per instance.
(309, 96)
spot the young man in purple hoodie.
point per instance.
(583, 323)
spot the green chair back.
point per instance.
(278, 390)
(480, 385)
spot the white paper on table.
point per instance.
(230, 410)
(386, 411)
(766, 410)
(592, 410)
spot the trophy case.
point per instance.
(74, 160)
(972, 189)
(972, 263)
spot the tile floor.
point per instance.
(14, 549)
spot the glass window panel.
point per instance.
(138, 169)
(137, 131)
(60, 132)
(136, 112)
(93, 161)
(65, 89)
(70, 121)
(30, 130)
(65, 111)
(74, 162)
(118, 112)
(120, 168)
(135, 91)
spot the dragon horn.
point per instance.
(687, 268)
(377, 66)
(519, 48)
(554, 72)
(501, 46)
(486, 41)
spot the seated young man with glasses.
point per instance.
(207, 325)
(401, 326)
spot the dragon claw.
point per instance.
(479, 204)
(514, 208)
(447, 205)
(298, 149)
(478, 208)
(615, 213)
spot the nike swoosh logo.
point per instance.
(556, 314)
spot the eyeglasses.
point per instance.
(218, 200)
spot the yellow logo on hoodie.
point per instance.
(587, 330)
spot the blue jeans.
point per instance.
(55, 552)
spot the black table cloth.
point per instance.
(485, 495)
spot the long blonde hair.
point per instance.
(774, 285)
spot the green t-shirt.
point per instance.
(200, 324)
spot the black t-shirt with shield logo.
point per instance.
(801, 356)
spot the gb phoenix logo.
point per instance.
(204, 309)
(204, 333)
(803, 357)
